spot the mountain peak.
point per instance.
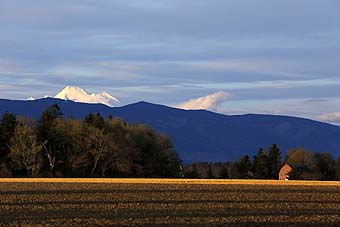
(78, 94)
(73, 89)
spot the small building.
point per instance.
(284, 172)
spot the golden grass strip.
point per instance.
(167, 181)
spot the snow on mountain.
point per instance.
(78, 94)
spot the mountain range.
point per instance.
(200, 135)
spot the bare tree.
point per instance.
(25, 151)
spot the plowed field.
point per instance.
(164, 202)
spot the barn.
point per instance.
(284, 171)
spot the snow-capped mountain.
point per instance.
(78, 94)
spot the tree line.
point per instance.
(96, 147)
(93, 147)
(266, 164)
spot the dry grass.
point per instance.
(168, 181)
(172, 202)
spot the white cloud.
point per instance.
(330, 117)
(209, 102)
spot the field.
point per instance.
(129, 202)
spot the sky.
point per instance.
(229, 56)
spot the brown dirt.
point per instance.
(132, 204)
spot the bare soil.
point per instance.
(122, 204)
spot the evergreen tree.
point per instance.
(47, 121)
(326, 166)
(89, 119)
(210, 172)
(99, 121)
(144, 141)
(241, 169)
(194, 174)
(191, 171)
(224, 173)
(338, 169)
(7, 128)
(96, 121)
(168, 161)
(295, 174)
(274, 161)
(261, 166)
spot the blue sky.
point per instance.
(278, 57)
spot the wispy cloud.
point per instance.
(331, 118)
(278, 84)
(209, 102)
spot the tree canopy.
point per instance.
(94, 147)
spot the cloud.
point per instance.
(209, 102)
(331, 117)
(171, 51)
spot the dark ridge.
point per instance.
(200, 135)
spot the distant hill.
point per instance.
(201, 135)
